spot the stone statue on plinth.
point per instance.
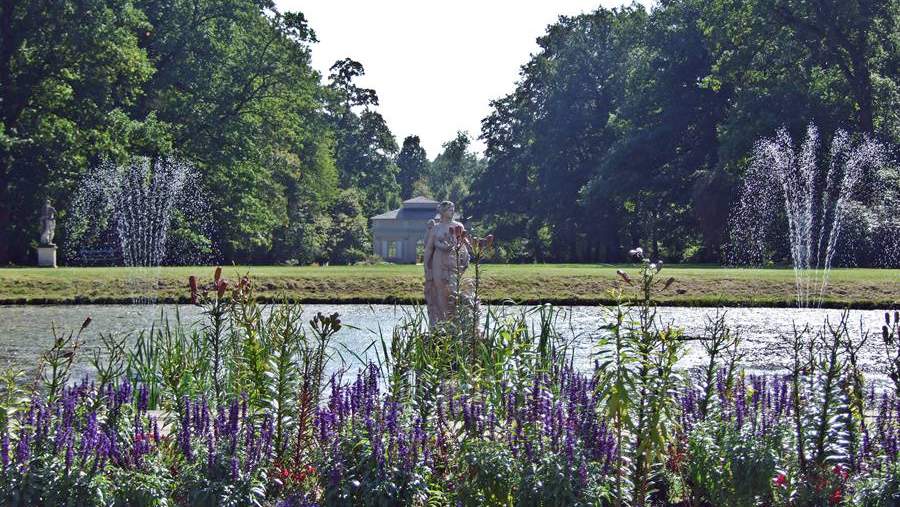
(47, 250)
(48, 224)
(446, 257)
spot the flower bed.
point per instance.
(241, 413)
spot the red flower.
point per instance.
(841, 472)
(780, 480)
(836, 496)
(218, 274)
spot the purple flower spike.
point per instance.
(143, 402)
(4, 450)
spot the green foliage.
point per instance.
(726, 468)
(493, 476)
(879, 489)
(635, 381)
(452, 171)
(225, 85)
(627, 126)
(413, 165)
(631, 126)
(365, 147)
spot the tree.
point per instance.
(365, 146)
(412, 163)
(233, 80)
(545, 140)
(348, 240)
(225, 85)
(852, 37)
(652, 173)
(68, 70)
(631, 127)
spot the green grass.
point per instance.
(553, 283)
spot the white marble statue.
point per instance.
(446, 257)
(48, 224)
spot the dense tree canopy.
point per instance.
(632, 127)
(626, 127)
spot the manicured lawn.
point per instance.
(554, 283)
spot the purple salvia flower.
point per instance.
(582, 475)
(4, 449)
(720, 385)
(220, 424)
(249, 436)
(196, 419)
(143, 401)
(510, 405)
(204, 416)
(266, 435)
(155, 430)
(70, 451)
(89, 436)
(184, 432)
(232, 427)
(529, 451)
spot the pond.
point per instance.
(26, 331)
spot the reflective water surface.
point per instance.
(26, 331)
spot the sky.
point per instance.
(435, 64)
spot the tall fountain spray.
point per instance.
(128, 210)
(813, 195)
(142, 196)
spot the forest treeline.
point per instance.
(628, 126)
(631, 127)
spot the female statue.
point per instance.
(48, 224)
(446, 257)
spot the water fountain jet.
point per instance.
(813, 196)
(128, 210)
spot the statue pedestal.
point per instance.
(47, 256)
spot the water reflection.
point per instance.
(25, 331)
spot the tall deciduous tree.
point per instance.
(412, 163)
(453, 170)
(233, 81)
(68, 71)
(365, 146)
(631, 127)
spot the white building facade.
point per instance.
(399, 235)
